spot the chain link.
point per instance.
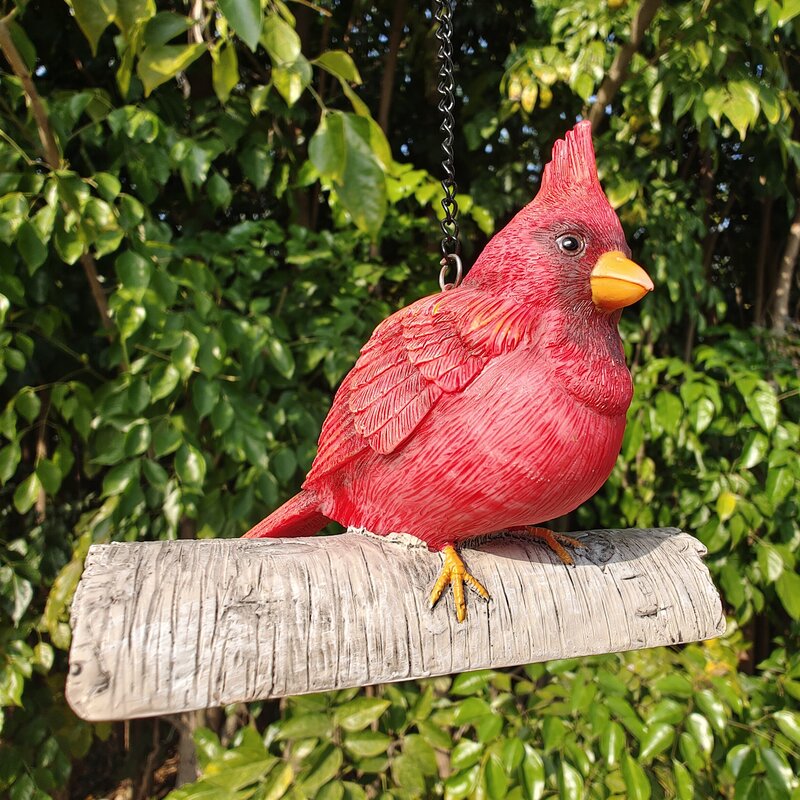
(451, 245)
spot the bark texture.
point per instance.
(783, 286)
(618, 71)
(167, 627)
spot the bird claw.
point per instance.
(553, 540)
(455, 574)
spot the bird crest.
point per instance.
(573, 164)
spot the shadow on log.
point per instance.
(167, 627)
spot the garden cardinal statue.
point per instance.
(495, 405)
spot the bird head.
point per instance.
(566, 249)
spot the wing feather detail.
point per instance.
(436, 346)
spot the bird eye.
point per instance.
(570, 243)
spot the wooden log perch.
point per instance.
(166, 627)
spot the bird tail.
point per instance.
(299, 516)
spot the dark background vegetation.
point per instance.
(205, 209)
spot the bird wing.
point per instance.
(436, 346)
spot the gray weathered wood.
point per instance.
(165, 627)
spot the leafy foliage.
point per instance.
(651, 725)
(220, 223)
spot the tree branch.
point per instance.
(275, 617)
(20, 68)
(619, 68)
(761, 263)
(390, 64)
(780, 299)
(51, 153)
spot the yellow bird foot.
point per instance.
(554, 541)
(455, 573)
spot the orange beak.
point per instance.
(617, 282)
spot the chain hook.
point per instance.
(445, 267)
(451, 245)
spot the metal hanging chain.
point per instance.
(451, 245)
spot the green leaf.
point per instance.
(129, 319)
(11, 685)
(570, 782)
(69, 245)
(292, 79)
(554, 732)
(533, 774)
(43, 657)
(133, 273)
(407, 775)
(346, 151)
(225, 72)
(166, 439)
(726, 505)
(49, 475)
(462, 784)
(636, 783)
(244, 17)
(190, 465)
(656, 740)
(669, 411)
(31, 247)
(712, 708)
(137, 440)
(612, 741)
(323, 764)
(305, 726)
(164, 26)
(161, 63)
(219, 191)
(256, 163)
(421, 753)
(93, 17)
(281, 357)
(10, 457)
(120, 477)
(280, 40)
(788, 588)
(26, 493)
(770, 562)
(471, 682)
(496, 779)
(743, 105)
(789, 724)
(700, 730)
(684, 783)
(360, 713)
(205, 395)
(780, 483)
(108, 185)
(17, 595)
(365, 744)
(184, 355)
(755, 450)
(763, 405)
(163, 381)
(779, 773)
(340, 65)
(465, 754)
(27, 402)
(327, 147)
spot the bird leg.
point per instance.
(554, 541)
(455, 573)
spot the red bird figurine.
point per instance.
(495, 405)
